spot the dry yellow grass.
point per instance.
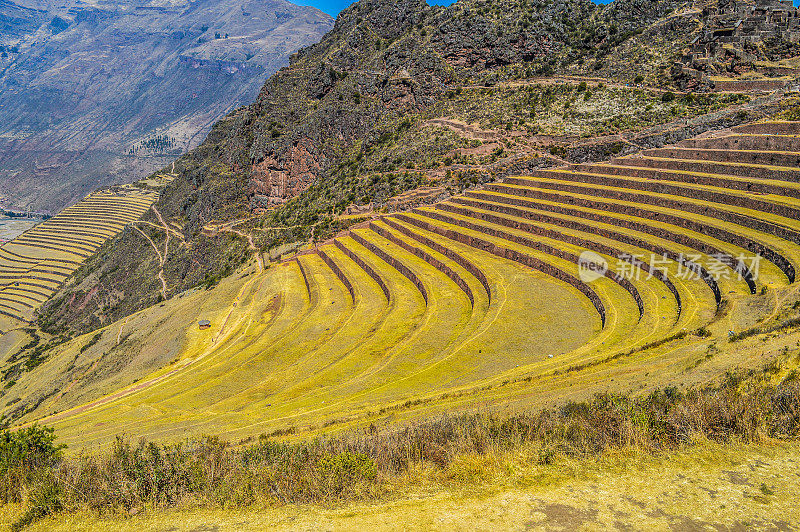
(706, 486)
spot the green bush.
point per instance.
(342, 470)
(26, 458)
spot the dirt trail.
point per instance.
(160, 260)
(162, 257)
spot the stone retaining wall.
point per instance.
(427, 257)
(696, 179)
(338, 272)
(521, 258)
(745, 142)
(727, 155)
(364, 266)
(667, 203)
(710, 167)
(654, 187)
(305, 277)
(394, 263)
(766, 85)
(589, 228)
(539, 246)
(447, 252)
(769, 128)
(569, 202)
(598, 247)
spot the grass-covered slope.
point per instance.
(476, 298)
(328, 122)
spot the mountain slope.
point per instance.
(334, 126)
(93, 95)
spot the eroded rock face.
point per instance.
(273, 181)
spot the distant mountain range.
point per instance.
(96, 93)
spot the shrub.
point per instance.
(667, 97)
(744, 406)
(22, 453)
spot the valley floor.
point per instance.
(705, 487)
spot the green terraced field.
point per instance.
(37, 262)
(477, 301)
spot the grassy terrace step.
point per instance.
(88, 243)
(25, 292)
(746, 142)
(700, 233)
(762, 157)
(79, 240)
(634, 242)
(31, 282)
(55, 245)
(118, 212)
(663, 300)
(761, 186)
(437, 262)
(71, 230)
(28, 301)
(376, 329)
(369, 270)
(515, 291)
(777, 205)
(11, 299)
(628, 202)
(12, 315)
(769, 128)
(359, 236)
(458, 258)
(42, 246)
(754, 171)
(365, 287)
(619, 308)
(109, 214)
(230, 364)
(107, 201)
(582, 241)
(5, 252)
(94, 224)
(423, 220)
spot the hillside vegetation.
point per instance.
(328, 122)
(428, 215)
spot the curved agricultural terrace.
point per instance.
(36, 263)
(479, 299)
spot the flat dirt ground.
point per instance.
(707, 487)
(11, 228)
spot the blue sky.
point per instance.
(332, 7)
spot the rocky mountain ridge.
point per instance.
(346, 123)
(92, 95)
